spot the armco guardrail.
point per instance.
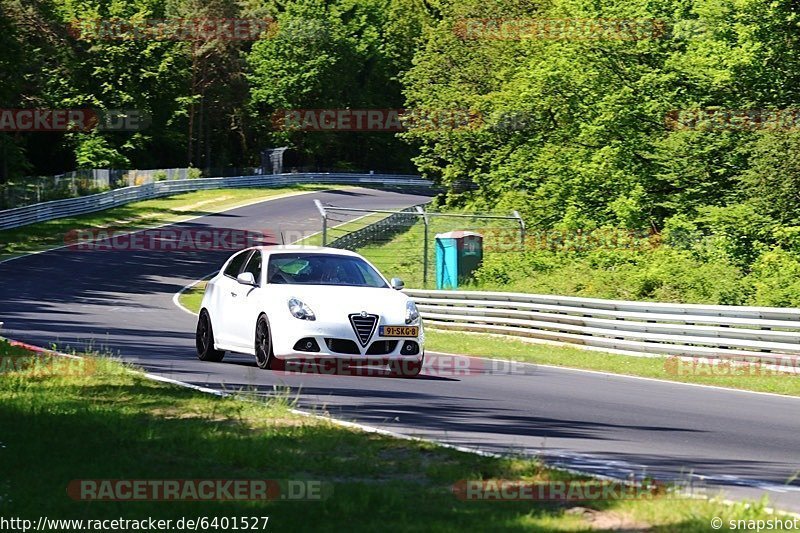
(376, 232)
(643, 327)
(21, 216)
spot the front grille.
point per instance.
(382, 347)
(345, 346)
(364, 326)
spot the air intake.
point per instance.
(364, 326)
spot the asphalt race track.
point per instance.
(122, 300)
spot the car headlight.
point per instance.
(300, 310)
(412, 315)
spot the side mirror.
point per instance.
(397, 284)
(246, 278)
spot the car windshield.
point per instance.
(322, 269)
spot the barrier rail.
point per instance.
(381, 230)
(22, 216)
(728, 332)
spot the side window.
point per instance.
(235, 266)
(368, 275)
(254, 266)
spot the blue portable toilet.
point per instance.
(458, 254)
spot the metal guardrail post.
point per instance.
(324, 216)
(521, 229)
(421, 211)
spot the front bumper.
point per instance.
(287, 335)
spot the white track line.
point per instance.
(176, 298)
(612, 374)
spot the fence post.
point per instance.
(421, 211)
(324, 216)
(521, 229)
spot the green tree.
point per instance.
(344, 54)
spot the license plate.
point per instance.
(398, 331)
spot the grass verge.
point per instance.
(402, 256)
(667, 368)
(192, 297)
(137, 215)
(104, 421)
(337, 230)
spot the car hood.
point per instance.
(333, 302)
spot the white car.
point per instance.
(300, 303)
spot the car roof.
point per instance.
(304, 249)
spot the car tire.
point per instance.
(410, 369)
(265, 355)
(204, 340)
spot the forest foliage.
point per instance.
(684, 129)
